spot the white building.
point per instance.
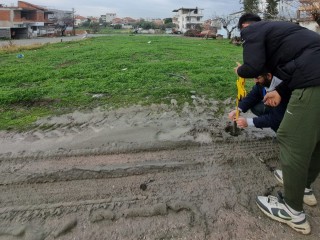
(110, 17)
(187, 18)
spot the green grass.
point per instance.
(108, 30)
(125, 70)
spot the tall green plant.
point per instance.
(271, 11)
(251, 6)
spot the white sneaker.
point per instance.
(277, 209)
(308, 198)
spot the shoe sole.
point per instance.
(309, 202)
(303, 228)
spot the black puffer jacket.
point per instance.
(287, 50)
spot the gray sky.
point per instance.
(137, 8)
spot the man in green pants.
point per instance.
(291, 53)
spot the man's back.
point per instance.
(286, 49)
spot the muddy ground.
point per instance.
(140, 173)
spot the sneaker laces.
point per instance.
(273, 200)
(276, 200)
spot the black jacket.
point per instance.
(271, 119)
(287, 50)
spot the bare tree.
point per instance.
(306, 9)
(311, 8)
(229, 23)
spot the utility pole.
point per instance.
(73, 19)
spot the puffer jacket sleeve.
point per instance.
(272, 119)
(253, 98)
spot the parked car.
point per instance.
(168, 30)
(174, 31)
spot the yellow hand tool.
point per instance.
(241, 94)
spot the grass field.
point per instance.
(112, 71)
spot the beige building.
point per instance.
(188, 18)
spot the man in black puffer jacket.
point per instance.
(291, 53)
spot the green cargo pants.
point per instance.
(299, 139)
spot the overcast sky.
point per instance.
(137, 8)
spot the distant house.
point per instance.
(79, 20)
(110, 17)
(126, 22)
(28, 20)
(103, 18)
(116, 21)
(188, 18)
(93, 19)
(158, 22)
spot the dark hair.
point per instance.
(248, 17)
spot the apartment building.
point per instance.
(110, 17)
(188, 18)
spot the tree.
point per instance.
(229, 23)
(308, 8)
(95, 27)
(86, 23)
(250, 6)
(271, 10)
(312, 9)
(117, 26)
(61, 20)
(145, 25)
(167, 20)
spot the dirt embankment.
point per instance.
(140, 173)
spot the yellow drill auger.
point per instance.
(241, 93)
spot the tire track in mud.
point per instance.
(39, 189)
(62, 168)
(185, 191)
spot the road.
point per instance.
(44, 40)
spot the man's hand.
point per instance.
(232, 115)
(236, 68)
(242, 122)
(272, 99)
